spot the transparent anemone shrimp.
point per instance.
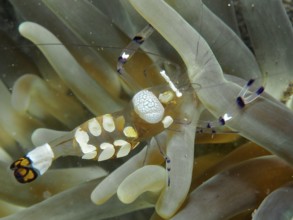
(111, 135)
(114, 135)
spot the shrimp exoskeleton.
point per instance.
(114, 135)
(108, 136)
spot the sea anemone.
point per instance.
(238, 173)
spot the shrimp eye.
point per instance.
(23, 171)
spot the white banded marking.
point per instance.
(94, 127)
(171, 84)
(41, 158)
(81, 136)
(108, 123)
(108, 151)
(125, 148)
(82, 139)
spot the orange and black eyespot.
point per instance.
(21, 162)
(25, 174)
(23, 171)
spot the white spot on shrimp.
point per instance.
(94, 127)
(125, 148)
(108, 123)
(82, 139)
(108, 151)
(125, 56)
(81, 136)
(148, 107)
(167, 121)
(227, 117)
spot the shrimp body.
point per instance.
(114, 135)
(108, 136)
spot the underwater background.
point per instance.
(49, 86)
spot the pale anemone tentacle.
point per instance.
(83, 41)
(216, 93)
(242, 153)
(121, 14)
(32, 94)
(45, 135)
(180, 151)
(277, 205)
(9, 209)
(225, 12)
(136, 184)
(236, 189)
(273, 53)
(7, 141)
(220, 38)
(79, 194)
(18, 125)
(108, 187)
(87, 91)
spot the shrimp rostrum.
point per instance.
(108, 136)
